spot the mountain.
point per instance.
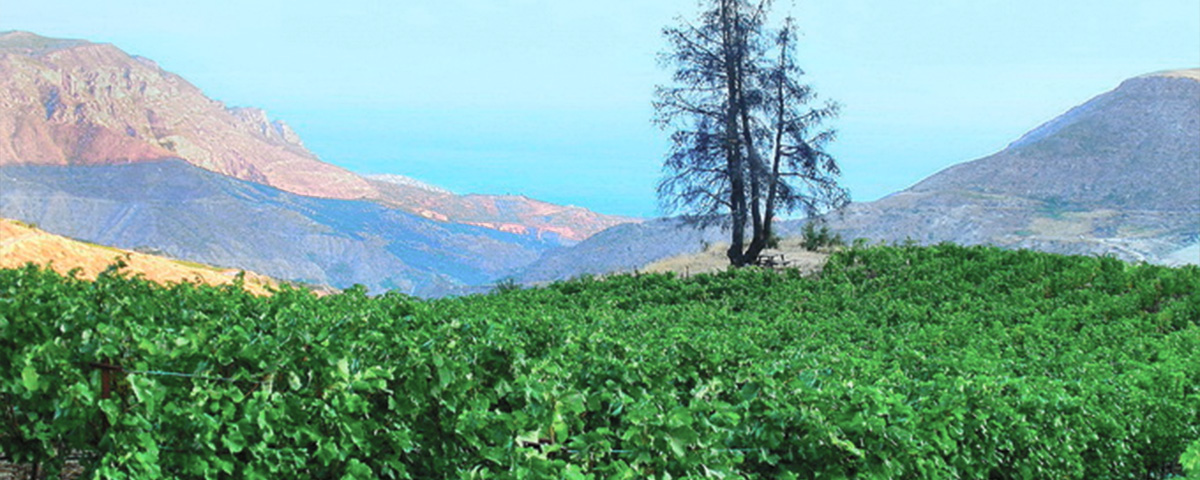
(77, 103)
(622, 248)
(1118, 175)
(1137, 146)
(510, 213)
(21, 243)
(631, 247)
(184, 212)
(408, 182)
(109, 148)
(72, 102)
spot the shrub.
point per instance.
(814, 238)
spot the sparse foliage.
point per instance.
(814, 238)
(505, 285)
(746, 143)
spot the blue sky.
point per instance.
(551, 98)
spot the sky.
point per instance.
(552, 98)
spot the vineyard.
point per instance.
(896, 362)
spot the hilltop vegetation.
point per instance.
(897, 362)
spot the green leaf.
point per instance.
(29, 378)
(572, 472)
(234, 440)
(357, 470)
(1191, 460)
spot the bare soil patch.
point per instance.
(713, 259)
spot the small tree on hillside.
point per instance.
(746, 144)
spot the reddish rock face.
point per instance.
(507, 213)
(71, 102)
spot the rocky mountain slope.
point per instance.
(509, 213)
(181, 211)
(1137, 146)
(76, 103)
(1118, 175)
(106, 147)
(72, 102)
(22, 243)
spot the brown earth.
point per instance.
(713, 259)
(21, 244)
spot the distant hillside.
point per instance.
(1118, 175)
(77, 103)
(1137, 147)
(409, 182)
(84, 108)
(22, 243)
(509, 213)
(188, 213)
(623, 248)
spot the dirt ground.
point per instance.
(713, 259)
(9, 471)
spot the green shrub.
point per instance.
(1191, 460)
(814, 238)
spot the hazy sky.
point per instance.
(551, 98)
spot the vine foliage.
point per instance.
(898, 362)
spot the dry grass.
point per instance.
(21, 244)
(1069, 224)
(713, 259)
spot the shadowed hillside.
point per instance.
(1117, 175)
(77, 103)
(192, 214)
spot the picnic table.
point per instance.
(772, 260)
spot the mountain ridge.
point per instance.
(74, 103)
(518, 214)
(78, 103)
(1079, 162)
(181, 210)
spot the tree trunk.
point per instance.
(733, 147)
(763, 227)
(758, 240)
